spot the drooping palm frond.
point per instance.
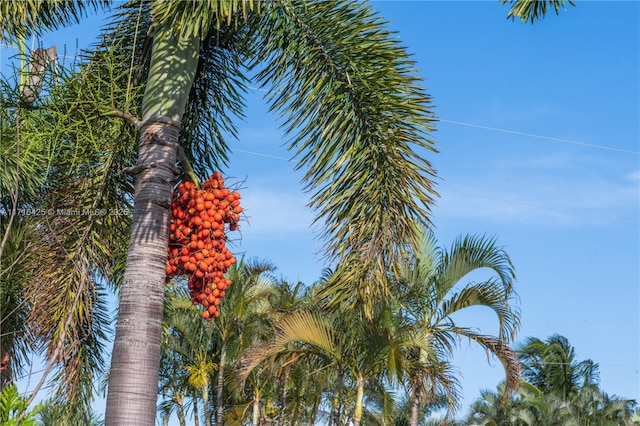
(530, 10)
(85, 221)
(21, 19)
(469, 253)
(496, 347)
(359, 125)
(215, 98)
(487, 294)
(303, 327)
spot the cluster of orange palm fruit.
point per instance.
(197, 248)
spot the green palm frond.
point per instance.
(359, 125)
(196, 18)
(21, 19)
(215, 98)
(24, 161)
(530, 10)
(300, 327)
(469, 253)
(489, 294)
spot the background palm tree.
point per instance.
(558, 389)
(345, 343)
(431, 293)
(243, 314)
(552, 367)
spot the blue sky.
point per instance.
(565, 205)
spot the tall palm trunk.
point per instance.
(337, 400)
(205, 403)
(220, 385)
(196, 417)
(135, 361)
(282, 417)
(359, 401)
(415, 408)
(255, 418)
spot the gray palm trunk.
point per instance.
(205, 403)
(220, 385)
(135, 360)
(415, 408)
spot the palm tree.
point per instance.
(551, 366)
(346, 344)
(242, 314)
(59, 258)
(193, 342)
(351, 100)
(592, 406)
(488, 410)
(344, 109)
(431, 290)
(558, 390)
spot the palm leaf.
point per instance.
(489, 294)
(305, 327)
(507, 356)
(469, 253)
(22, 19)
(196, 18)
(359, 125)
(530, 10)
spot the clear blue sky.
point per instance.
(566, 205)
